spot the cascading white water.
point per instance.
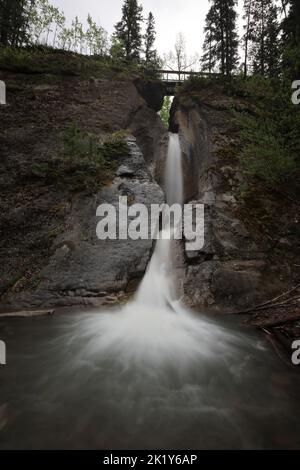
(157, 288)
(173, 175)
(155, 327)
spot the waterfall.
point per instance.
(173, 174)
(155, 328)
(157, 288)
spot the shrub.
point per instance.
(264, 153)
(84, 161)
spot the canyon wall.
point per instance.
(50, 255)
(234, 269)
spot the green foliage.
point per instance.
(165, 111)
(269, 136)
(14, 17)
(197, 83)
(291, 61)
(252, 88)
(221, 37)
(264, 154)
(151, 56)
(48, 61)
(128, 30)
(262, 37)
(15, 59)
(84, 161)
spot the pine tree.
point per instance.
(273, 53)
(291, 23)
(209, 58)
(221, 40)
(248, 18)
(151, 57)
(264, 51)
(128, 30)
(14, 16)
(231, 36)
(291, 40)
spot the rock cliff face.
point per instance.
(49, 251)
(233, 269)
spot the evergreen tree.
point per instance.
(128, 30)
(231, 36)
(14, 15)
(248, 27)
(209, 58)
(264, 51)
(273, 54)
(291, 23)
(151, 56)
(291, 40)
(221, 39)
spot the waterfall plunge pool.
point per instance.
(84, 381)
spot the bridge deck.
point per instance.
(181, 76)
(174, 78)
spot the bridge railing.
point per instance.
(181, 76)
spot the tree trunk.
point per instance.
(222, 41)
(247, 40)
(55, 33)
(262, 44)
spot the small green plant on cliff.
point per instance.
(269, 134)
(165, 111)
(86, 162)
(264, 154)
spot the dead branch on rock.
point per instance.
(270, 303)
(278, 322)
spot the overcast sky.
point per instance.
(171, 16)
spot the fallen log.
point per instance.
(278, 321)
(27, 314)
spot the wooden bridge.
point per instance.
(174, 78)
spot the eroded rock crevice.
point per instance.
(232, 270)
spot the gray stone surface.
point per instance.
(232, 269)
(49, 251)
(84, 269)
